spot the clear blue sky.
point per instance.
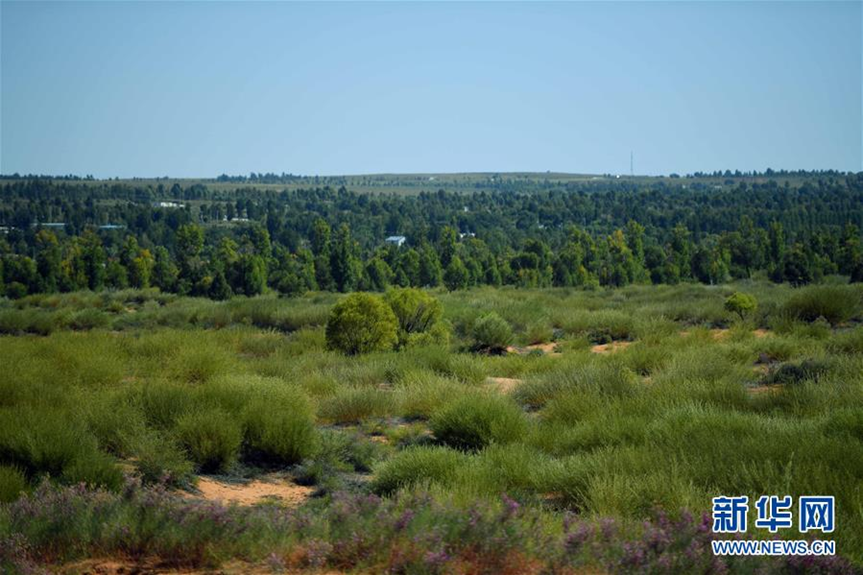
(201, 88)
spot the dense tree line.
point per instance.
(62, 235)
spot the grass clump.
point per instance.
(164, 402)
(418, 465)
(48, 443)
(849, 342)
(159, 459)
(280, 427)
(516, 469)
(211, 437)
(835, 303)
(793, 373)
(475, 421)
(355, 405)
(340, 452)
(491, 333)
(600, 326)
(425, 393)
(605, 379)
(13, 483)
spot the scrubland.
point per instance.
(621, 414)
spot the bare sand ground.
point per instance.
(256, 491)
(503, 384)
(610, 347)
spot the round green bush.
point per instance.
(361, 323)
(418, 464)
(211, 437)
(416, 311)
(474, 422)
(742, 304)
(491, 333)
(280, 427)
(12, 483)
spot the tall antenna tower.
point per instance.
(631, 169)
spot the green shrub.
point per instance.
(569, 479)
(491, 333)
(351, 449)
(280, 427)
(94, 469)
(438, 334)
(361, 323)
(474, 422)
(198, 361)
(834, 303)
(598, 379)
(645, 359)
(339, 452)
(355, 405)
(14, 321)
(116, 420)
(777, 348)
(12, 483)
(743, 304)
(416, 465)
(164, 402)
(600, 326)
(565, 435)
(539, 332)
(43, 441)
(845, 423)
(424, 394)
(848, 342)
(464, 367)
(416, 311)
(211, 437)
(89, 319)
(512, 469)
(795, 373)
(159, 459)
(230, 392)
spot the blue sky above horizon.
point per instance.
(190, 89)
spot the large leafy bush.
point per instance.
(491, 333)
(417, 312)
(361, 323)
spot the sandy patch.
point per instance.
(610, 347)
(252, 492)
(546, 348)
(502, 384)
(719, 334)
(715, 333)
